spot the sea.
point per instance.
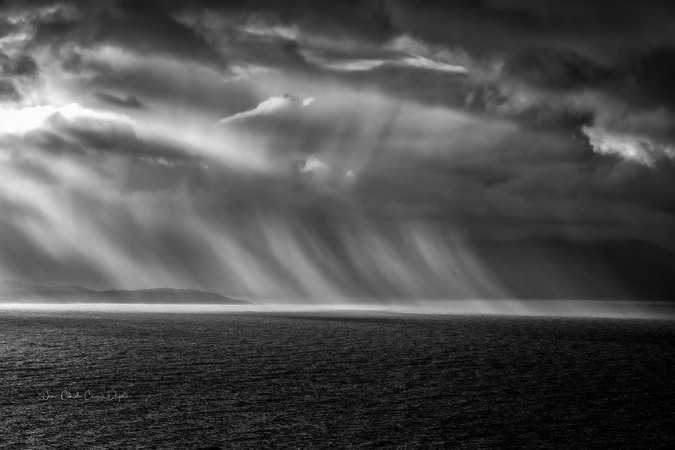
(236, 378)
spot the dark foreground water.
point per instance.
(333, 380)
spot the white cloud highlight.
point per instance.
(19, 121)
(313, 164)
(269, 106)
(426, 63)
(640, 149)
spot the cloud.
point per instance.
(270, 106)
(8, 91)
(552, 68)
(425, 63)
(157, 79)
(144, 27)
(129, 102)
(313, 164)
(28, 118)
(339, 58)
(641, 149)
(410, 61)
(79, 130)
(20, 66)
(589, 27)
(17, 73)
(435, 124)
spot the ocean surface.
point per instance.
(102, 379)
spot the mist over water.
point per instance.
(302, 258)
(354, 259)
(293, 243)
(550, 308)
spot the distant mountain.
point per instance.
(12, 291)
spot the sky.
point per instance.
(352, 149)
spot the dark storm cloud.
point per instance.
(20, 66)
(555, 69)
(144, 26)
(538, 175)
(525, 119)
(8, 91)
(512, 25)
(480, 26)
(129, 102)
(546, 113)
(553, 45)
(550, 49)
(640, 78)
(6, 27)
(124, 142)
(506, 26)
(519, 177)
(13, 71)
(576, 48)
(353, 19)
(647, 77)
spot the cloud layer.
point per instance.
(331, 149)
